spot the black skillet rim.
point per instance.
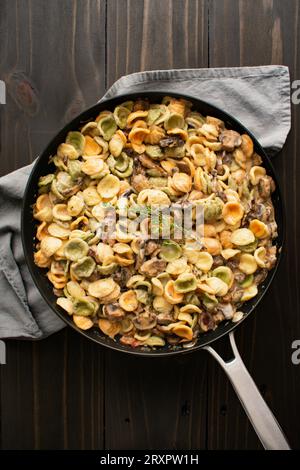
(38, 275)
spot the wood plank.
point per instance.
(255, 33)
(155, 34)
(155, 403)
(53, 64)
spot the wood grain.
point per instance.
(53, 62)
(57, 58)
(255, 33)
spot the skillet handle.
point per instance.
(261, 417)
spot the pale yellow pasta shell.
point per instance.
(66, 304)
(75, 205)
(128, 301)
(219, 287)
(101, 288)
(84, 323)
(204, 261)
(171, 295)
(92, 166)
(242, 237)
(109, 186)
(177, 266)
(260, 256)
(256, 173)
(49, 245)
(109, 328)
(58, 231)
(182, 182)
(249, 293)
(161, 305)
(247, 263)
(229, 253)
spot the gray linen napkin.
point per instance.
(259, 97)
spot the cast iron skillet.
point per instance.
(261, 417)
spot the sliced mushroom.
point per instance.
(145, 321)
(147, 162)
(113, 311)
(266, 186)
(206, 321)
(230, 139)
(226, 309)
(153, 267)
(140, 182)
(123, 275)
(173, 141)
(150, 247)
(260, 276)
(164, 318)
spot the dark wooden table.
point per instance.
(65, 392)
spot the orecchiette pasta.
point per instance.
(154, 280)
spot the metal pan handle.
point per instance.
(260, 415)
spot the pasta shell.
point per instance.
(109, 328)
(242, 237)
(68, 151)
(182, 182)
(224, 273)
(101, 288)
(155, 135)
(204, 261)
(249, 293)
(185, 282)
(161, 305)
(76, 139)
(75, 249)
(256, 173)
(121, 114)
(173, 121)
(60, 212)
(117, 143)
(154, 341)
(170, 250)
(58, 231)
(91, 196)
(260, 256)
(91, 147)
(212, 245)
(107, 127)
(41, 260)
(259, 228)
(113, 296)
(232, 212)
(247, 146)
(75, 205)
(104, 252)
(158, 288)
(109, 186)
(219, 287)
(134, 116)
(84, 307)
(183, 331)
(177, 266)
(74, 290)
(171, 295)
(84, 267)
(93, 166)
(83, 323)
(49, 245)
(128, 301)
(66, 304)
(229, 253)
(137, 135)
(247, 263)
(190, 308)
(42, 231)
